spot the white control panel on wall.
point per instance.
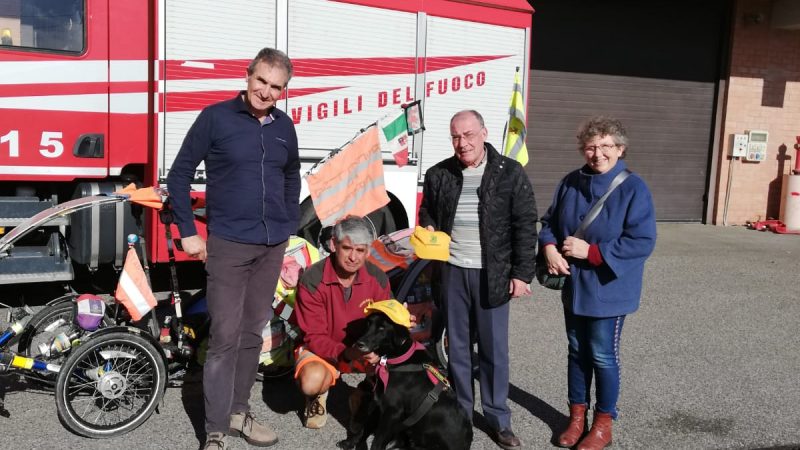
(757, 145)
(739, 149)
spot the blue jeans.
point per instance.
(594, 350)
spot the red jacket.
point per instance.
(329, 323)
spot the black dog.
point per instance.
(409, 409)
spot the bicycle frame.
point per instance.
(9, 359)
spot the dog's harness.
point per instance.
(439, 381)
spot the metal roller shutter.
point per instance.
(653, 65)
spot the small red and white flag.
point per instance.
(133, 291)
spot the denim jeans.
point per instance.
(594, 350)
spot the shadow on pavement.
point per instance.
(192, 399)
(282, 396)
(552, 417)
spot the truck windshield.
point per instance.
(56, 25)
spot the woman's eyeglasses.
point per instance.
(603, 147)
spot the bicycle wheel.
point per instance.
(441, 349)
(53, 318)
(443, 357)
(37, 338)
(110, 385)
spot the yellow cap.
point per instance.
(430, 244)
(393, 309)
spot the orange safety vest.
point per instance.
(351, 182)
(392, 250)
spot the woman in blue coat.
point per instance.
(605, 269)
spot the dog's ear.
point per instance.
(400, 334)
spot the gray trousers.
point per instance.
(241, 280)
(463, 290)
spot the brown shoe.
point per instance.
(599, 436)
(245, 425)
(576, 426)
(506, 439)
(316, 414)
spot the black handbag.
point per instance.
(556, 282)
(546, 278)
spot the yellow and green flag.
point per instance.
(515, 137)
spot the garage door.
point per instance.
(655, 67)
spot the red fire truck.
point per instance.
(95, 94)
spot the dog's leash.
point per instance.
(439, 381)
(433, 395)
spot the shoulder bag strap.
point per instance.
(592, 214)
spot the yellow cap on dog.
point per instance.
(430, 244)
(393, 309)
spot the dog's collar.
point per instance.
(382, 370)
(404, 357)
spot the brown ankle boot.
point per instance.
(577, 423)
(600, 435)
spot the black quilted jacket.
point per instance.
(507, 215)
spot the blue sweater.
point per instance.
(625, 232)
(252, 173)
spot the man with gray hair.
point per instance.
(331, 297)
(485, 202)
(249, 147)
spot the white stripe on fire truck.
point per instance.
(50, 170)
(130, 70)
(40, 72)
(128, 103)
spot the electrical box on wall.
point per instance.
(757, 145)
(739, 149)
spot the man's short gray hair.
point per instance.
(274, 58)
(358, 229)
(470, 112)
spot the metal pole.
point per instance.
(728, 191)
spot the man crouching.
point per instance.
(331, 298)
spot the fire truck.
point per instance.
(97, 94)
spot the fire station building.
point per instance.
(689, 80)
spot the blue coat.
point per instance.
(625, 232)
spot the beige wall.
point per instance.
(763, 93)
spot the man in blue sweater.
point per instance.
(252, 190)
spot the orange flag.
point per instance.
(145, 196)
(133, 291)
(351, 182)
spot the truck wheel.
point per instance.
(387, 219)
(110, 385)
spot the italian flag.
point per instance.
(394, 136)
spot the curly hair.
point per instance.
(602, 126)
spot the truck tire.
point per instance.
(385, 220)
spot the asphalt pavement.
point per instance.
(710, 361)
